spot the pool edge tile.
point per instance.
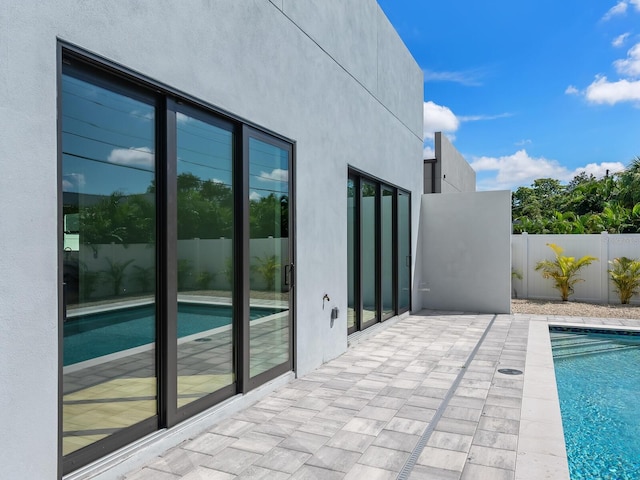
(539, 364)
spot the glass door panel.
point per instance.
(205, 256)
(386, 247)
(404, 252)
(352, 228)
(368, 245)
(109, 241)
(269, 319)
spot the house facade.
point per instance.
(203, 200)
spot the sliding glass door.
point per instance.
(353, 260)
(176, 244)
(387, 244)
(404, 251)
(378, 251)
(369, 253)
(205, 233)
(269, 253)
(109, 260)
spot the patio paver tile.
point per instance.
(361, 415)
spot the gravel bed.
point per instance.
(574, 309)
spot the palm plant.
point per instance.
(115, 273)
(268, 267)
(143, 276)
(563, 270)
(203, 279)
(625, 275)
(184, 272)
(88, 281)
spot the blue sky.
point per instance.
(530, 88)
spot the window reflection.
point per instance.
(269, 255)
(205, 258)
(351, 254)
(369, 225)
(386, 240)
(108, 183)
(404, 252)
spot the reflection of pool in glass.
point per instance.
(599, 385)
(102, 333)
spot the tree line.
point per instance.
(585, 205)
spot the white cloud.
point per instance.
(523, 142)
(132, 157)
(254, 196)
(277, 175)
(145, 115)
(181, 118)
(603, 91)
(469, 77)
(599, 170)
(630, 66)
(618, 9)
(571, 90)
(521, 169)
(428, 153)
(73, 181)
(438, 118)
(478, 118)
(620, 39)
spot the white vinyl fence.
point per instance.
(527, 250)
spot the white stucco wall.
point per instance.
(466, 252)
(332, 75)
(453, 173)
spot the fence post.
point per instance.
(604, 265)
(525, 264)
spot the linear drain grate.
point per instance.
(406, 470)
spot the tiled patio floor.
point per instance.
(421, 398)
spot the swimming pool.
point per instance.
(598, 377)
(102, 333)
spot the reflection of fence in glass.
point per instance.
(130, 269)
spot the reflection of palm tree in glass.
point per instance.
(268, 267)
(143, 276)
(115, 273)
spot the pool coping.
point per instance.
(541, 447)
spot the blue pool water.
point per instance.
(598, 379)
(97, 334)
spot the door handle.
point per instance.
(288, 275)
